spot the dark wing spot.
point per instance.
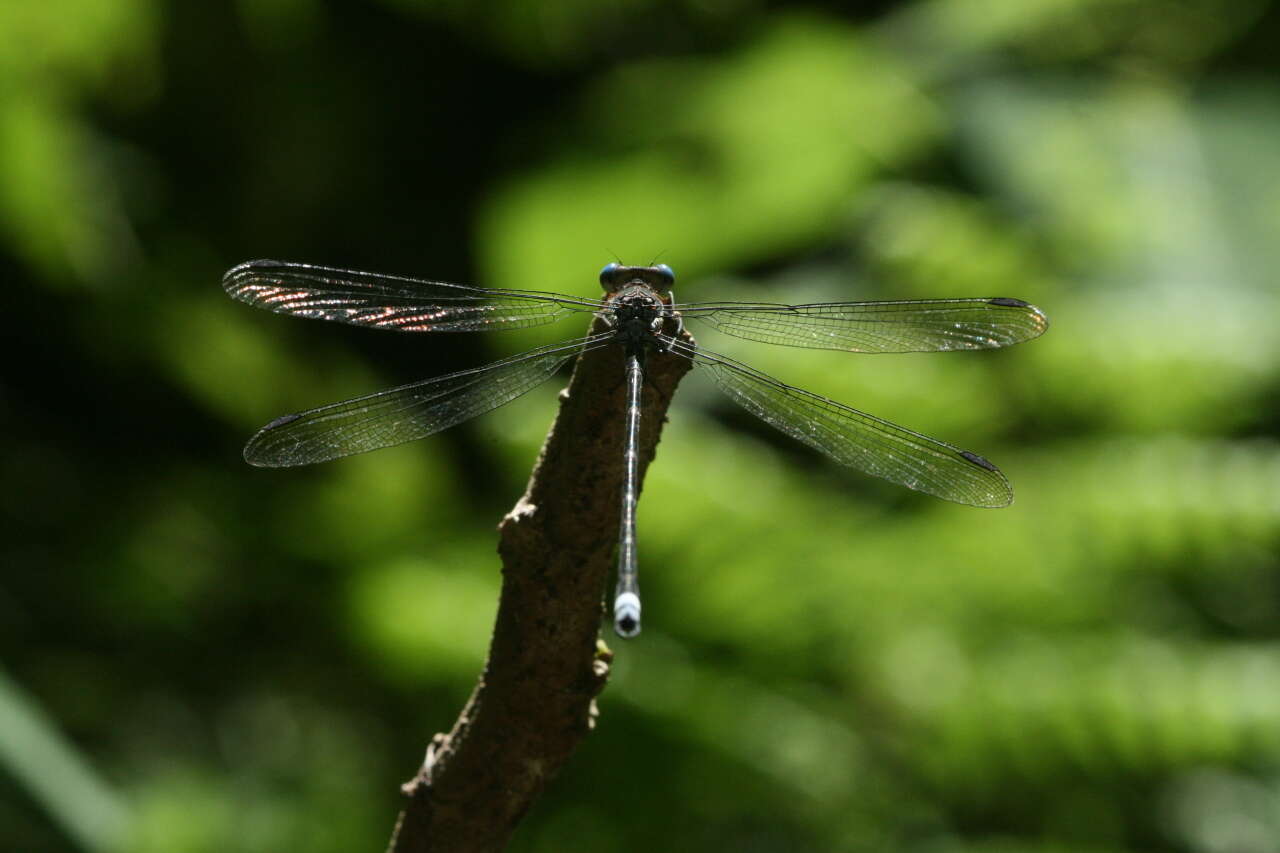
(1008, 302)
(978, 460)
(281, 421)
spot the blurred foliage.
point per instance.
(204, 657)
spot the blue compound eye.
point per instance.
(606, 274)
(668, 274)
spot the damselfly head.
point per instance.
(659, 277)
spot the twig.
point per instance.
(535, 700)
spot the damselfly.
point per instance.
(640, 316)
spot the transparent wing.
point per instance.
(392, 302)
(408, 412)
(856, 439)
(924, 325)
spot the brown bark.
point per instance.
(535, 700)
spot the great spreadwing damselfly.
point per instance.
(641, 317)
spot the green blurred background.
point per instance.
(201, 656)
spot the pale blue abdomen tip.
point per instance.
(626, 614)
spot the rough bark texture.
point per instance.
(534, 702)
